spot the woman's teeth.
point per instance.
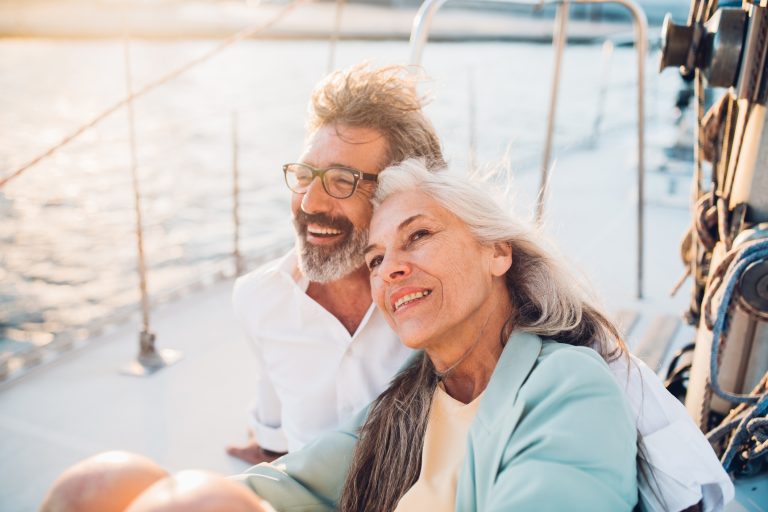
(411, 296)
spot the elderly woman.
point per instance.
(506, 406)
(508, 403)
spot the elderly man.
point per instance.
(323, 349)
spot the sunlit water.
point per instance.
(67, 226)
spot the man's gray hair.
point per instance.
(384, 99)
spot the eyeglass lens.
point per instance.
(339, 183)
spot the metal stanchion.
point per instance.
(239, 267)
(607, 55)
(558, 43)
(472, 120)
(335, 35)
(149, 359)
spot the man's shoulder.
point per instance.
(264, 279)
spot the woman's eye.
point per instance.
(419, 234)
(374, 262)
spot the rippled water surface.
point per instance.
(67, 226)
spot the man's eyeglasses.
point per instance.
(338, 182)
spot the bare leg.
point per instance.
(198, 491)
(107, 482)
(252, 452)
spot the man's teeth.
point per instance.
(411, 296)
(324, 231)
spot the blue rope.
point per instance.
(750, 423)
(753, 424)
(751, 253)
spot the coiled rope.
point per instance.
(747, 422)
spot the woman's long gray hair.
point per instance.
(546, 301)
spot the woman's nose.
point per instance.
(315, 199)
(394, 267)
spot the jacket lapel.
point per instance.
(496, 419)
(516, 362)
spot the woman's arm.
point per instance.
(310, 478)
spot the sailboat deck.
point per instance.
(80, 404)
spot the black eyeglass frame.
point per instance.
(320, 173)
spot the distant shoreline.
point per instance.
(311, 21)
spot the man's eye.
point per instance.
(374, 262)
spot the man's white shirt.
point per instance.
(312, 373)
(684, 469)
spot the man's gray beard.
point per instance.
(323, 264)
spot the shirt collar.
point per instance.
(289, 267)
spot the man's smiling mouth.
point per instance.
(323, 232)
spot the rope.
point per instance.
(745, 256)
(748, 421)
(168, 77)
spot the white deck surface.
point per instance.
(182, 416)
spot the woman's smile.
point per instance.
(406, 298)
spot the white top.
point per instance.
(312, 374)
(445, 446)
(684, 466)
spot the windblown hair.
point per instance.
(546, 301)
(384, 99)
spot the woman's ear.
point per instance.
(501, 259)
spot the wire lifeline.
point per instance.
(168, 77)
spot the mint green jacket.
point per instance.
(552, 433)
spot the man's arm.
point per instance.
(265, 415)
(266, 440)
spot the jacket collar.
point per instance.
(515, 364)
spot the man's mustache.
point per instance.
(301, 220)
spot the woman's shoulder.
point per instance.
(568, 422)
(556, 356)
(539, 366)
(567, 371)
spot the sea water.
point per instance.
(68, 253)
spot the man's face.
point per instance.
(331, 233)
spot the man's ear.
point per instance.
(501, 259)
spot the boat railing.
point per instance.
(420, 33)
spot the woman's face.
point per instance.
(434, 283)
